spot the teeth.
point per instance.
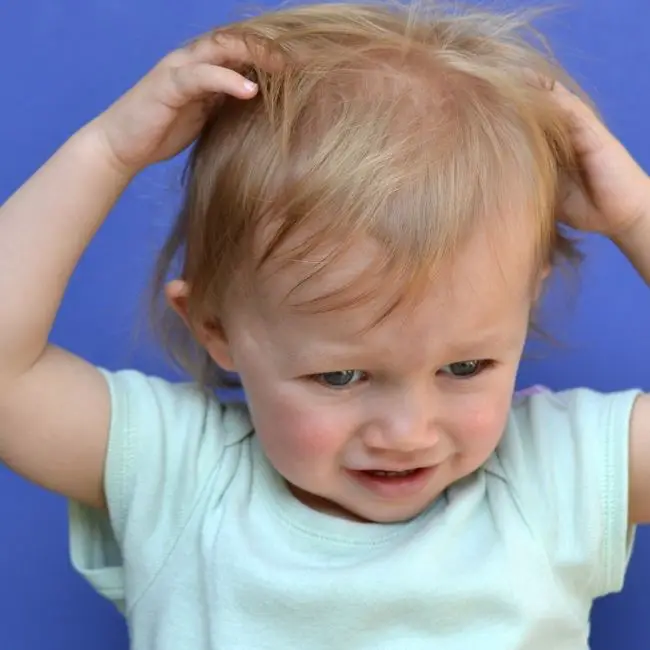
(388, 474)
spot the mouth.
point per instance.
(391, 484)
(390, 474)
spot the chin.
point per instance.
(386, 514)
(377, 513)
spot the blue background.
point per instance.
(65, 60)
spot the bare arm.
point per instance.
(636, 245)
(54, 407)
(613, 199)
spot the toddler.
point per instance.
(375, 197)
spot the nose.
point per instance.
(406, 423)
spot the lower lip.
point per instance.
(394, 487)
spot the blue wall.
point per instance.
(62, 62)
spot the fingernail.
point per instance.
(250, 85)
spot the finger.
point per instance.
(220, 49)
(574, 203)
(196, 81)
(589, 131)
(233, 51)
(572, 102)
(538, 80)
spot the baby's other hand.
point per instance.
(613, 194)
(164, 113)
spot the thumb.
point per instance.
(574, 206)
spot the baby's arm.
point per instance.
(54, 407)
(613, 199)
(636, 245)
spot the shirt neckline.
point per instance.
(322, 526)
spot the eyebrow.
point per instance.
(335, 349)
(488, 339)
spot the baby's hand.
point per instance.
(614, 192)
(163, 114)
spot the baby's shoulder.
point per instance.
(564, 437)
(572, 412)
(563, 464)
(147, 405)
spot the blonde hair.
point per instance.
(411, 124)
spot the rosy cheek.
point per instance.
(481, 426)
(484, 420)
(307, 433)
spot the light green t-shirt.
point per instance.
(205, 548)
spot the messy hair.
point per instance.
(411, 124)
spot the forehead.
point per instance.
(487, 285)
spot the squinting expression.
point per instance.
(374, 424)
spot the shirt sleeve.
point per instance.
(166, 442)
(566, 456)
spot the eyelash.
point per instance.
(320, 379)
(482, 366)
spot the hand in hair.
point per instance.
(61, 444)
(610, 193)
(163, 114)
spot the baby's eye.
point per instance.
(466, 369)
(340, 378)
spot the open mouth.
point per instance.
(391, 485)
(385, 474)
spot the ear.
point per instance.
(210, 335)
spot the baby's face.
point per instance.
(426, 393)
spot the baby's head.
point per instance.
(364, 242)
